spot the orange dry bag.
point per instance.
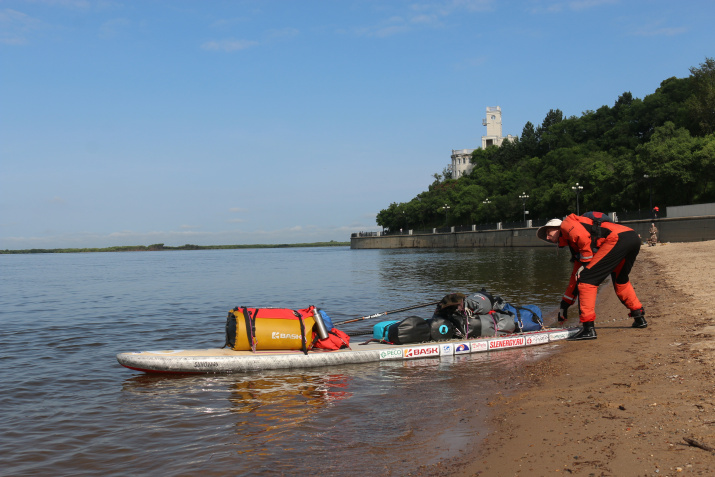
(270, 328)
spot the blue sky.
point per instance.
(239, 122)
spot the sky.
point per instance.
(262, 122)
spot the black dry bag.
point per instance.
(441, 329)
(412, 329)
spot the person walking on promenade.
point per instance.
(599, 247)
(653, 230)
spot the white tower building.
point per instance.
(493, 124)
(461, 158)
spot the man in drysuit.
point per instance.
(599, 247)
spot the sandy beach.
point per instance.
(625, 404)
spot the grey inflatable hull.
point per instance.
(229, 361)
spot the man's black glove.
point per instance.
(563, 311)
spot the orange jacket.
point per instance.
(576, 233)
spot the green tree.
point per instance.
(702, 103)
(668, 158)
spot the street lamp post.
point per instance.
(487, 202)
(578, 189)
(523, 198)
(446, 208)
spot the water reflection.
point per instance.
(282, 402)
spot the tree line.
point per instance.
(161, 247)
(638, 153)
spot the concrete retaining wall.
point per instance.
(690, 229)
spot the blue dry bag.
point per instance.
(526, 317)
(326, 319)
(379, 330)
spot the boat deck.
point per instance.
(223, 360)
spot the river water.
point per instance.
(68, 407)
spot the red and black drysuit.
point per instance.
(611, 249)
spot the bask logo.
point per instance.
(282, 336)
(418, 352)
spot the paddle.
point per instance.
(388, 312)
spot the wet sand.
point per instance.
(621, 405)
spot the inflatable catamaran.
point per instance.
(259, 339)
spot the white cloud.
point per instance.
(655, 30)
(14, 41)
(470, 63)
(112, 28)
(423, 15)
(226, 23)
(574, 5)
(15, 26)
(63, 3)
(283, 33)
(228, 45)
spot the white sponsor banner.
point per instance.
(394, 353)
(421, 352)
(536, 339)
(507, 342)
(559, 335)
(462, 348)
(479, 346)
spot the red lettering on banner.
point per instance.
(506, 343)
(414, 352)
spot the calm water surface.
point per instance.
(68, 407)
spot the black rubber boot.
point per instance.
(638, 318)
(588, 332)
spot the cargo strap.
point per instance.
(250, 327)
(596, 230)
(303, 339)
(375, 340)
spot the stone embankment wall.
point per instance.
(683, 229)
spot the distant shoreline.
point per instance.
(159, 247)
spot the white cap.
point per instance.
(541, 233)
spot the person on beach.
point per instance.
(599, 247)
(653, 231)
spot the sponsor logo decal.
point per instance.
(446, 349)
(421, 352)
(282, 336)
(479, 346)
(537, 339)
(507, 342)
(391, 354)
(462, 348)
(205, 364)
